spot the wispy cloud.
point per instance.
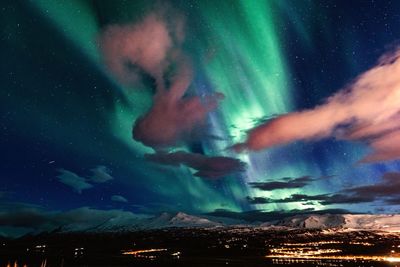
(207, 167)
(100, 174)
(34, 218)
(387, 191)
(284, 183)
(71, 179)
(119, 198)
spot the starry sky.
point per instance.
(230, 108)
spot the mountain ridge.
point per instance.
(382, 222)
(165, 220)
(387, 222)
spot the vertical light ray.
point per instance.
(77, 21)
(249, 67)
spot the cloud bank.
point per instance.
(287, 183)
(27, 218)
(368, 110)
(387, 191)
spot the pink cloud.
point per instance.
(153, 46)
(369, 108)
(148, 45)
(173, 118)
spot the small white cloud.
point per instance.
(71, 179)
(100, 174)
(119, 198)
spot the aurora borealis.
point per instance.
(66, 118)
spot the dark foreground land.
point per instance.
(205, 247)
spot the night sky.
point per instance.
(231, 108)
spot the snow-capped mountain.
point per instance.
(179, 219)
(385, 222)
(164, 220)
(125, 223)
(314, 221)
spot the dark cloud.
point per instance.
(285, 183)
(387, 190)
(324, 199)
(393, 201)
(21, 215)
(32, 218)
(345, 199)
(207, 167)
(389, 186)
(258, 200)
(292, 198)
